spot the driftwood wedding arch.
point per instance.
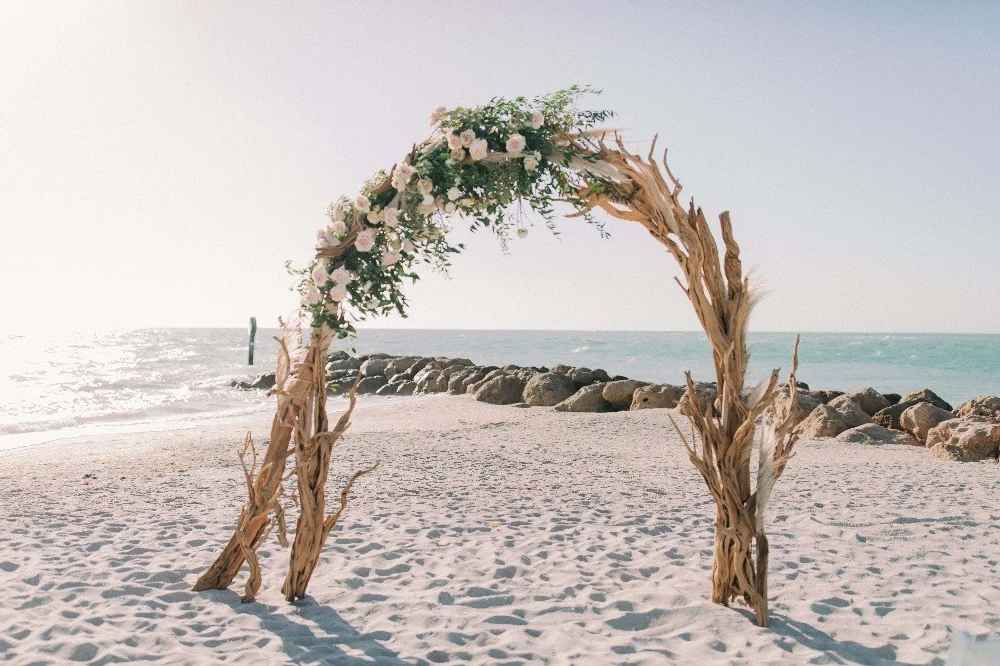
(483, 163)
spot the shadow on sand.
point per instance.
(339, 643)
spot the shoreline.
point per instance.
(492, 533)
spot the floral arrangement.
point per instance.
(483, 164)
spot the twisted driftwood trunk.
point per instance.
(723, 299)
(300, 426)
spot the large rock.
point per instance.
(921, 417)
(399, 365)
(374, 367)
(431, 381)
(850, 411)
(965, 440)
(405, 388)
(489, 376)
(619, 393)
(587, 399)
(889, 417)
(369, 384)
(869, 400)
(561, 368)
(827, 396)
(582, 376)
(547, 389)
(924, 395)
(348, 363)
(872, 433)
(502, 390)
(981, 408)
(656, 396)
(830, 420)
(781, 408)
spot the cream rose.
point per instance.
(341, 276)
(467, 137)
(530, 163)
(389, 258)
(319, 274)
(338, 293)
(479, 149)
(537, 120)
(438, 114)
(338, 228)
(365, 241)
(515, 143)
(312, 296)
(454, 193)
(391, 217)
(362, 203)
(454, 141)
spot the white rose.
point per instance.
(319, 274)
(467, 137)
(537, 120)
(338, 293)
(389, 258)
(408, 246)
(427, 206)
(479, 149)
(341, 276)
(449, 207)
(327, 239)
(338, 228)
(454, 141)
(515, 143)
(398, 182)
(458, 154)
(312, 296)
(425, 186)
(454, 193)
(362, 203)
(391, 216)
(530, 163)
(365, 241)
(374, 217)
(428, 200)
(468, 202)
(438, 114)
(406, 170)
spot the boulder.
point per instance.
(889, 417)
(921, 417)
(398, 365)
(872, 433)
(582, 376)
(893, 398)
(824, 421)
(561, 368)
(501, 390)
(406, 388)
(344, 364)
(447, 361)
(339, 355)
(547, 389)
(587, 399)
(374, 367)
(619, 393)
(431, 381)
(452, 369)
(390, 388)
(924, 395)
(779, 410)
(378, 355)
(981, 408)
(656, 396)
(417, 366)
(601, 376)
(850, 412)
(869, 400)
(369, 384)
(460, 381)
(265, 381)
(489, 376)
(965, 440)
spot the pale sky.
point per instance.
(159, 162)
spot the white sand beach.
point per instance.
(493, 535)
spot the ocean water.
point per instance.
(148, 379)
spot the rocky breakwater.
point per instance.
(970, 432)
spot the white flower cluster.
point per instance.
(338, 281)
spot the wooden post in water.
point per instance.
(253, 333)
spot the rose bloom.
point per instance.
(449, 207)
(374, 217)
(398, 182)
(408, 246)
(319, 274)
(362, 203)
(407, 170)
(391, 216)
(389, 258)
(426, 186)
(336, 213)
(338, 293)
(438, 114)
(341, 276)
(454, 193)
(365, 241)
(530, 163)
(467, 137)
(312, 296)
(454, 141)
(479, 149)
(458, 154)
(537, 120)
(515, 143)
(338, 228)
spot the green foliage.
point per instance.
(483, 164)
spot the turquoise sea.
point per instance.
(156, 378)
